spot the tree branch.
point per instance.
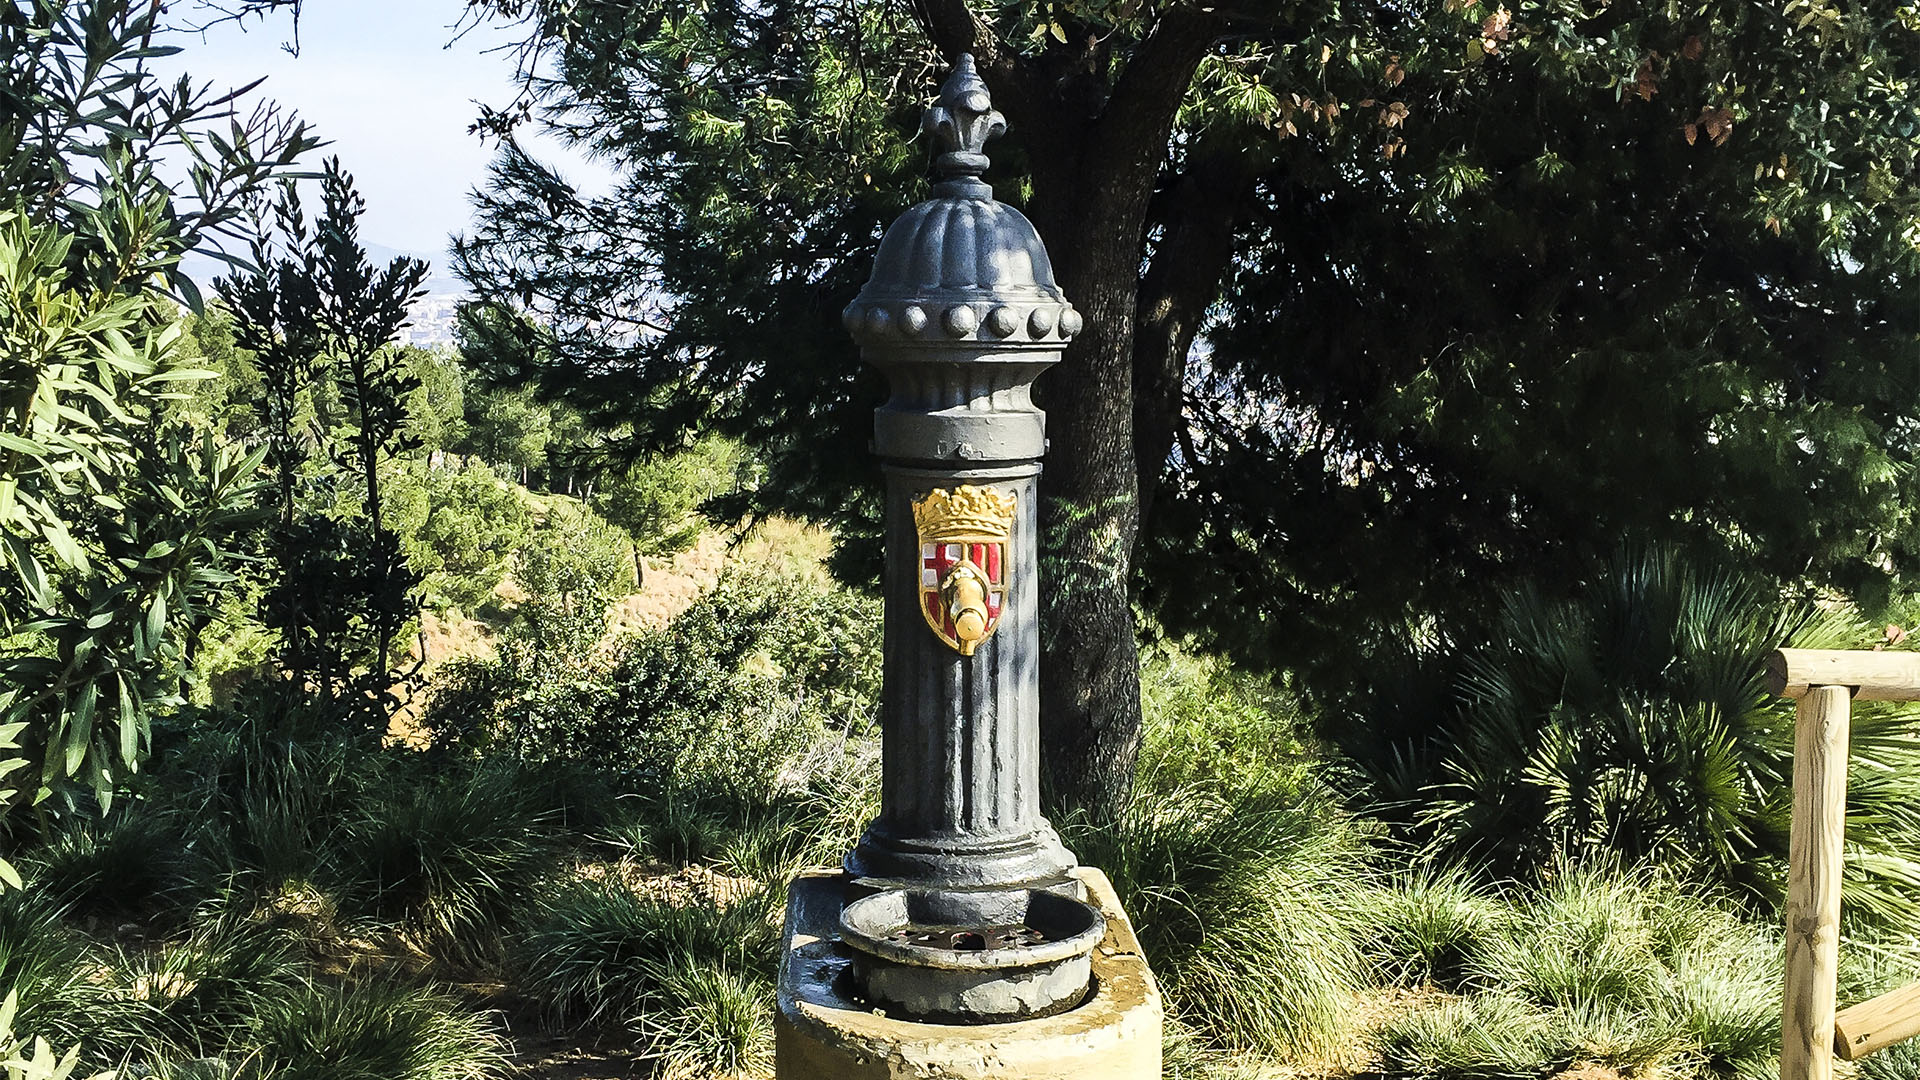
(1018, 88)
(1201, 209)
(1138, 117)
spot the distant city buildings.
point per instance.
(430, 320)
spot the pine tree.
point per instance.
(1387, 305)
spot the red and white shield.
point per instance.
(945, 569)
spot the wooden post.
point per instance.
(1861, 1029)
(1872, 676)
(1813, 883)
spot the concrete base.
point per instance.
(823, 1033)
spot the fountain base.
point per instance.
(828, 1029)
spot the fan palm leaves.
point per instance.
(1630, 719)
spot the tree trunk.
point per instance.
(1195, 249)
(1093, 174)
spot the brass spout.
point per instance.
(966, 596)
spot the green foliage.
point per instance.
(1212, 723)
(126, 865)
(1688, 236)
(1631, 970)
(1489, 1035)
(692, 980)
(448, 858)
(33, 1060)
(508, 427)
(202, 991)
(270, 786)
(460, 529)
(1239, 880)
(1628, 718)
(373, 1031)
(574, 560)
(113, 534)
(1423, 928)
(228, 403)
(113, 527)
(719, 700)
(655, 501)
(43, 965)
(321, 317)
(436, 409)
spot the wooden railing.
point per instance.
(1825, 684)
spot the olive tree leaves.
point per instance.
(113, 523)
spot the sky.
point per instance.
(394, 92)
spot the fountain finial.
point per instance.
(963, 119)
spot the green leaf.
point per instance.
(130, 723)
(80, 727)
(9, 441)
(12, 878)
(156, 619)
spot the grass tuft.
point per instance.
(450, 860)
(1423, 928)
(703, 1020)
(201, 992)
(693, 981)
(372, 1031)
(127, 866)
(1483, 1037)
(1587, 939)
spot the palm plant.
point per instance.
(1631, 719)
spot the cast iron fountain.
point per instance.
(961, 940)
(974, 915)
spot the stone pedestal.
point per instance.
(823, 1032)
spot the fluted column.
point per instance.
(962, 314)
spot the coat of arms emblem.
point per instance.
(964, 535)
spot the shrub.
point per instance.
(573, 558)
(44, 964)
(705, 1020)
(22, 1058)
(1628, 719)
(1588, 938)
(459, 529)
(372, 1031)
(1241, 884)
(270, 785)
(693, 981)
(449, 858)
(724, 699)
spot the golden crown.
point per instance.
(965, 511)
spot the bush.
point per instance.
(574, 558)
(1628, 720)
(693, 981)
(724, 699)
(372, 1031)
(459, 528)
(1485, 1037)
(45, 965)
(269, 784)
(449, 858)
